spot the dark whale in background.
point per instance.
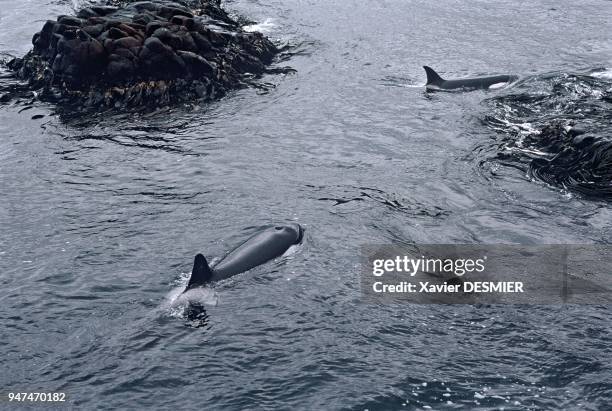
(258, 249)
(435, 82)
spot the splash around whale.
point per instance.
(436, 82)
(258, 249)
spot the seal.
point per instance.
(256, 250)
(435, 82)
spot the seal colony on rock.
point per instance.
(146, 52)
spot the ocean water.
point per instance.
(101, 215)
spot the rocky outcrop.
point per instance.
(133, 53)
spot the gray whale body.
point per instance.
(256, 250)
(435, 82)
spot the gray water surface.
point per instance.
(101, 216)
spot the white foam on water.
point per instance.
(176, 300)
(497, 86)
(79, 4)
(607, 74)
(528, 151)
(266, 26)
(521, 128)
(202, 295)
(291, 250)
(406, 85)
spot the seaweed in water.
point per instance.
(581, 162)
(560, 127)
(146, 52)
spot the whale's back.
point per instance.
(258, 249)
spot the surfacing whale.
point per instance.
(256, 250)
(435, 82)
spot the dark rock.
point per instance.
(143, 52)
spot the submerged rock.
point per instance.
(582, 161)
(145, 52)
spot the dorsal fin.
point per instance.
(432, 76)
(201, 272)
